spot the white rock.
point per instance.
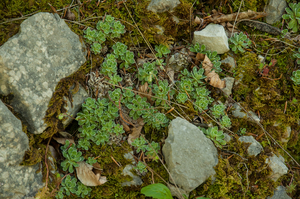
(213, 37)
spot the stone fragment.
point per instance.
(229, 84)
(189, 155)
(286, 135)
(213, 37)
(179, 60)
(280, 193)
(230, 61)
(72, 108)
(33, 62)
(162, 5)
(261, 58)
(255, 148)
(15, 181)
(277, 166)
(227, 138)
(275, 10)
(237, 112)
(136, 180)
(160, 29)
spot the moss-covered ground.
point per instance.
(274, 97)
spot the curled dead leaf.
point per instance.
(70, 15)
(199, 58)
(136, 130)
(197, 20)
(145, 89)
(87, 176)
(63, 140)
(65, 134)
(211, 76)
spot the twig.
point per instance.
(191, 21)
(177, 189)
(120, 109)
(246, 179)
(236, 154)
(236, 16)
(144, 94)
(115, 161)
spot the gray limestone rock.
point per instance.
(277, 166)
(20, 181)
(230, 61)
(15, 181)
(280, 193)
(162, 5)
(275, 10)
(13, 141)
(229, 84)
(33, 61)
(136, 180)
(179, 61)
(189, 155)
(213, 37)
(237, 112)
(227, 137)
(255, 148)
(286, 135)
(78, 100)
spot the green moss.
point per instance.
(254, 5)
(237, 177)
(259, 94)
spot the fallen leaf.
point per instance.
(211, 76)
(136, 130)
(145, 89)
(86, 175)
(197, 20)
(63, 140)
(53, 152)
(66, 134)
(125, 126)
(199, 57)
(70, 15)
(125, 119)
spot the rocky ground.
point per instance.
(100, 99)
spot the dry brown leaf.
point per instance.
(125, 119)
(197, 20)
(211, 76)
(86, 175)
(53, 152)
(145, 89)
(125, 126)
(199, 57)
(136, 130)
(63, 140)
(66, 134)
(140, 62)
(70, 15)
